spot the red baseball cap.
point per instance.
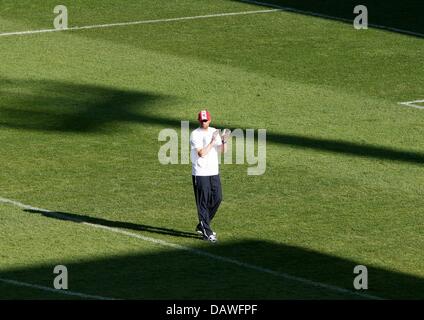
(204, 115)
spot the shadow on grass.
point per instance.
(244, 269)
(47, 105)
(348, 148)
(79, 218)
(400, 16)
(58, 106)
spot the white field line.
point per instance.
(413, 104)
(201, 253)
(311, 13)
(65, 292)
(109, 25)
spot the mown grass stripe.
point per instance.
(199, 252)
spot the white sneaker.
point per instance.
(212, 238)
(199, 231)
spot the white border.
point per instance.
(289, 9)
(120, 24)
(412, 104)
(65, 292)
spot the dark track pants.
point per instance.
(208, 193)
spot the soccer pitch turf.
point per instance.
(80, 115)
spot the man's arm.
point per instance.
(204, 151)
(224, 147)
(224, 139)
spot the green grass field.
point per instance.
(80, 115)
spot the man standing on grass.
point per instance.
(206, 143)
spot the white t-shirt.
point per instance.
(208, 164)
